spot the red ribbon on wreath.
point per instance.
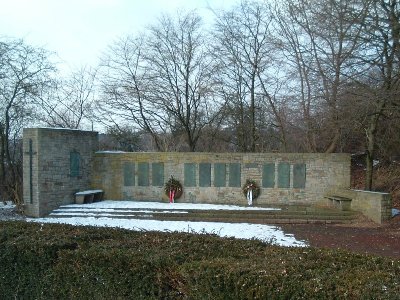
(171, 196)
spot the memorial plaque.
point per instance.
(219, 175)
(251, 166)
(283, 175)
(234, 175)
(74, 162)
(268, 176)
(143, 174)
(299, 176)
(205, 174)
(129, 174)
(157, 174)
(190, 174)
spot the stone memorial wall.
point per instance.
(57, 163)
(293, 178)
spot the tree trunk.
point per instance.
(2, 167)
(2, 156)
(332, 146)
(253, 116)
(371, 132)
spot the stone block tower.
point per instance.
(56, 163)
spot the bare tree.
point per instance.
(124, 91)
(24, 74)
(330, 37)
(247, 53)
(383, 41)
(180, 69)
(161, 82)
(70, 100)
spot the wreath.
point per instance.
(173, 185)
(251, 185)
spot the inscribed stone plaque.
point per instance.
(204, 174)
(143, 174)
(129, 174)
(283, 175)
(234, 175)
(157, 174)
(74, 162)
(299, 176)
(219, 175)
(251, 165)
(268, 179)
(190, 174)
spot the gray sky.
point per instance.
(79, 30)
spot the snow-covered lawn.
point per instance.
(84, 216)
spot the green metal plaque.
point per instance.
(143, 174)
(157, 174)
(219, 175)
(299, 176)
(283, 175)
(74, 163)
(268, 176)
(205, 174)
(190, 174)
(129, 174)
(234, 175)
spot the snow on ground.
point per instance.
(8, 211)
(8, 205)
(110, 204)
(83, 215)
(395, 212)
(265, 233)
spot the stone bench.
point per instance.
(342, 203)
(89, 196)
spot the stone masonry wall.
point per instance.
(129, 176)
(374, 205)
(59, 165)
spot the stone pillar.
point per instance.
(56, 164)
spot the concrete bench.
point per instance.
(89, 196)
(340, 202)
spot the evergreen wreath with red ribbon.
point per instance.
(173, 185)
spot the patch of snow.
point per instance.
(395, 212)
(63, 128)
(265, 233)
(109, 210)
(163, 205)
(99, 215)
(7, 205)
(87, 215)
(371, 192)
(8, 211)
(111, 152)
(88, 192)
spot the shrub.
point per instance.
(55, 261)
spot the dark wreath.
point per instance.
(173, 185)
(251, 184)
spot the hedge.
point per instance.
(53, 261)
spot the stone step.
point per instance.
(283, 216)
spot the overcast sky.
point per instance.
(79, 30)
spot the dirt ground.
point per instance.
(362, 237)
